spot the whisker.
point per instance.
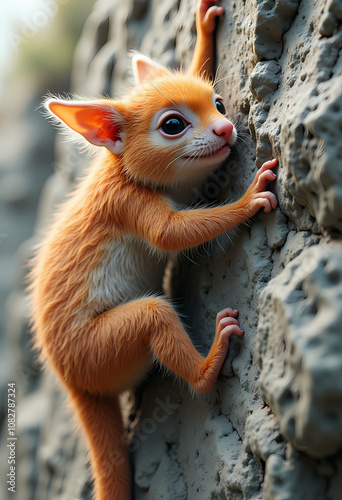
(175, 159)
(187, 256)
(187, 163)
(240, 139)
(151, 172)
(216, 74)
(219, 243)
(204, 72)
(162, 93)
(226, 78)
(195, 155)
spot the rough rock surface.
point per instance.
(271, 429)
(304, 387)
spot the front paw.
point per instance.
(226, 325)
(265, 200)
(206, 15)
(257, 196)
(265, 174)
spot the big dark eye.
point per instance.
(220, 107)
(173, 125)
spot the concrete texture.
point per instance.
(272, 427)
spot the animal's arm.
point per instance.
(151, 216)
(203, 60)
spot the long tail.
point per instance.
(100, 417)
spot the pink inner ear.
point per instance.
(145, 68)
(95, 122)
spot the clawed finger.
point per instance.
(228, 321)
(210, 17)
(269, 174)
(207, 13)
(230, 329)
(267, 205)
(227, 312)
(214, 11)
(204, 5)
(268, 164)
(271, 197)
(263, 178)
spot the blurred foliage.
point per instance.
(48, 54)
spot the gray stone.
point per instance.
(264, 79)
(293, 479)
(277, 229)
(300, 347)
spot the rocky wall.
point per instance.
(271, 428)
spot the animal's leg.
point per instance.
(111, 353)
(203, 57)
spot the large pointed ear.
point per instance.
(99, 122)
(144, 68)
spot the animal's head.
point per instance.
(171, 128)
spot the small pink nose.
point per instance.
(222, 128)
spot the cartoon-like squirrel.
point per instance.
(98, 313)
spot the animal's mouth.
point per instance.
(212, 152)
(218, 152)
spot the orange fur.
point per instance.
(99, 346)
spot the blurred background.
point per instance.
(37, 43)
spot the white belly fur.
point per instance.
(129, 269)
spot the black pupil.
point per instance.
(220, 107)
(173, 125)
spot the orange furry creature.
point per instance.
(98, 312)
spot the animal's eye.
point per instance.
(173, 125)
(220, 107)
